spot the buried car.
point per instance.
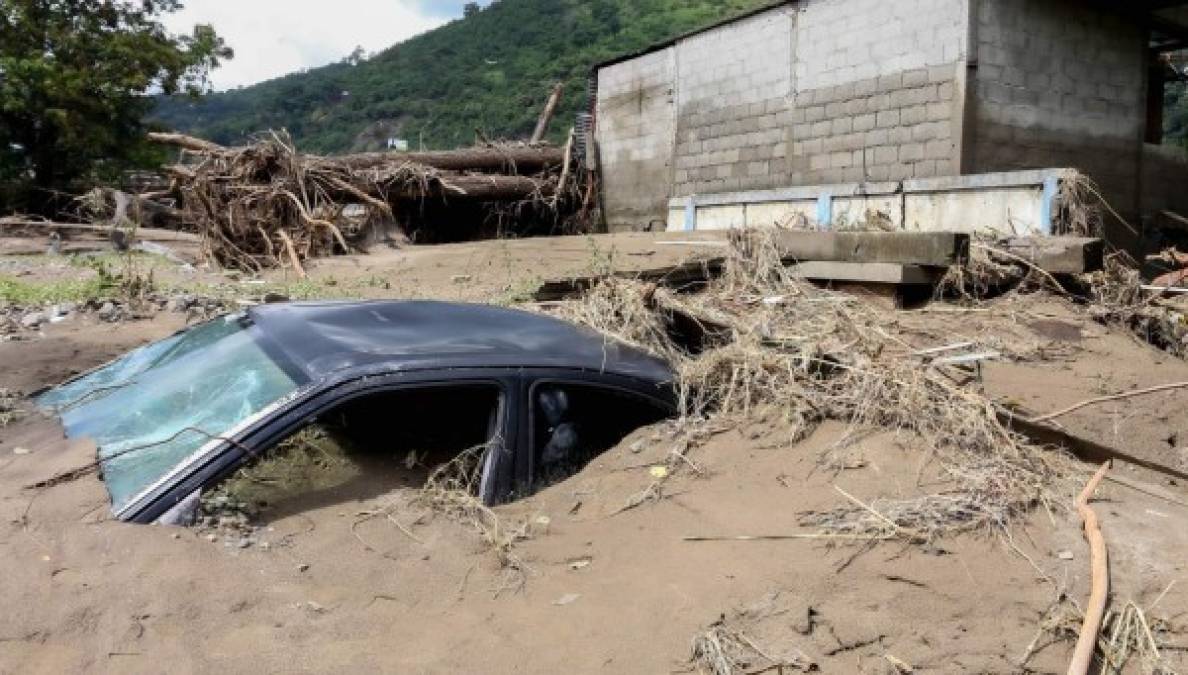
(538, 396)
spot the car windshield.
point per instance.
(151, 409)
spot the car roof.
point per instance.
(324, 338)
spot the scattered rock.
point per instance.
(33, 320)
(180, 303)
(60, 311)
(1066, 555)
(567, 599)
(108, 311)
(270, 298)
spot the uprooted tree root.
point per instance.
(266, 205)
(815, 355)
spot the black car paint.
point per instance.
(337, 374)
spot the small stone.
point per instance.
(270, 298)
(567, 599)
(264, 546)
(33, 319)
(22, 451)
(245, 543)
(637, 447)
(1066, 555)
(212, 538)
(303, 567)
(175, 535)
(315, 607)
(108, 311)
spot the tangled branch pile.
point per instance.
(266, 205)
(767, 342)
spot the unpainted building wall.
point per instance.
(821, 91)
(636, 118)
(815, 92)
(1059, 83)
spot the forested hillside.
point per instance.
(491, 70)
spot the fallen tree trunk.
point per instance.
(546, 116)
(481, 188)
(145, 233)
(511, 159)
(185, 142)
(267, 205)
(517, 160)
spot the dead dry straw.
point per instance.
(778, 344)
(452, 489)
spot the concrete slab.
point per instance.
(869, 273)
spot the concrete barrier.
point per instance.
(1016, 203)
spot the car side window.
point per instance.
(372, 444)
(574, 423)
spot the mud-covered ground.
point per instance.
(328, 587)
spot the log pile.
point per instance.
(267, 205)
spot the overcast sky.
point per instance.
(275, 37)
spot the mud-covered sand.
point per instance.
(602, 589)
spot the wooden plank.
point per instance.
(1019, 419)
(1058, 255)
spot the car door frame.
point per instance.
(525, 477)
(224, 455)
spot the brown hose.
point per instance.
(1099, 560)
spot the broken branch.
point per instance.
(1107, 399)
(1099, 561)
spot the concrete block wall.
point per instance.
(733, 85)
(1059, 83)
(821, 91)
(636, 126)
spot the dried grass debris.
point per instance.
(809, 355)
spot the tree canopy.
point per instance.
(75, 84)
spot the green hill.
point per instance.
(491, 70)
